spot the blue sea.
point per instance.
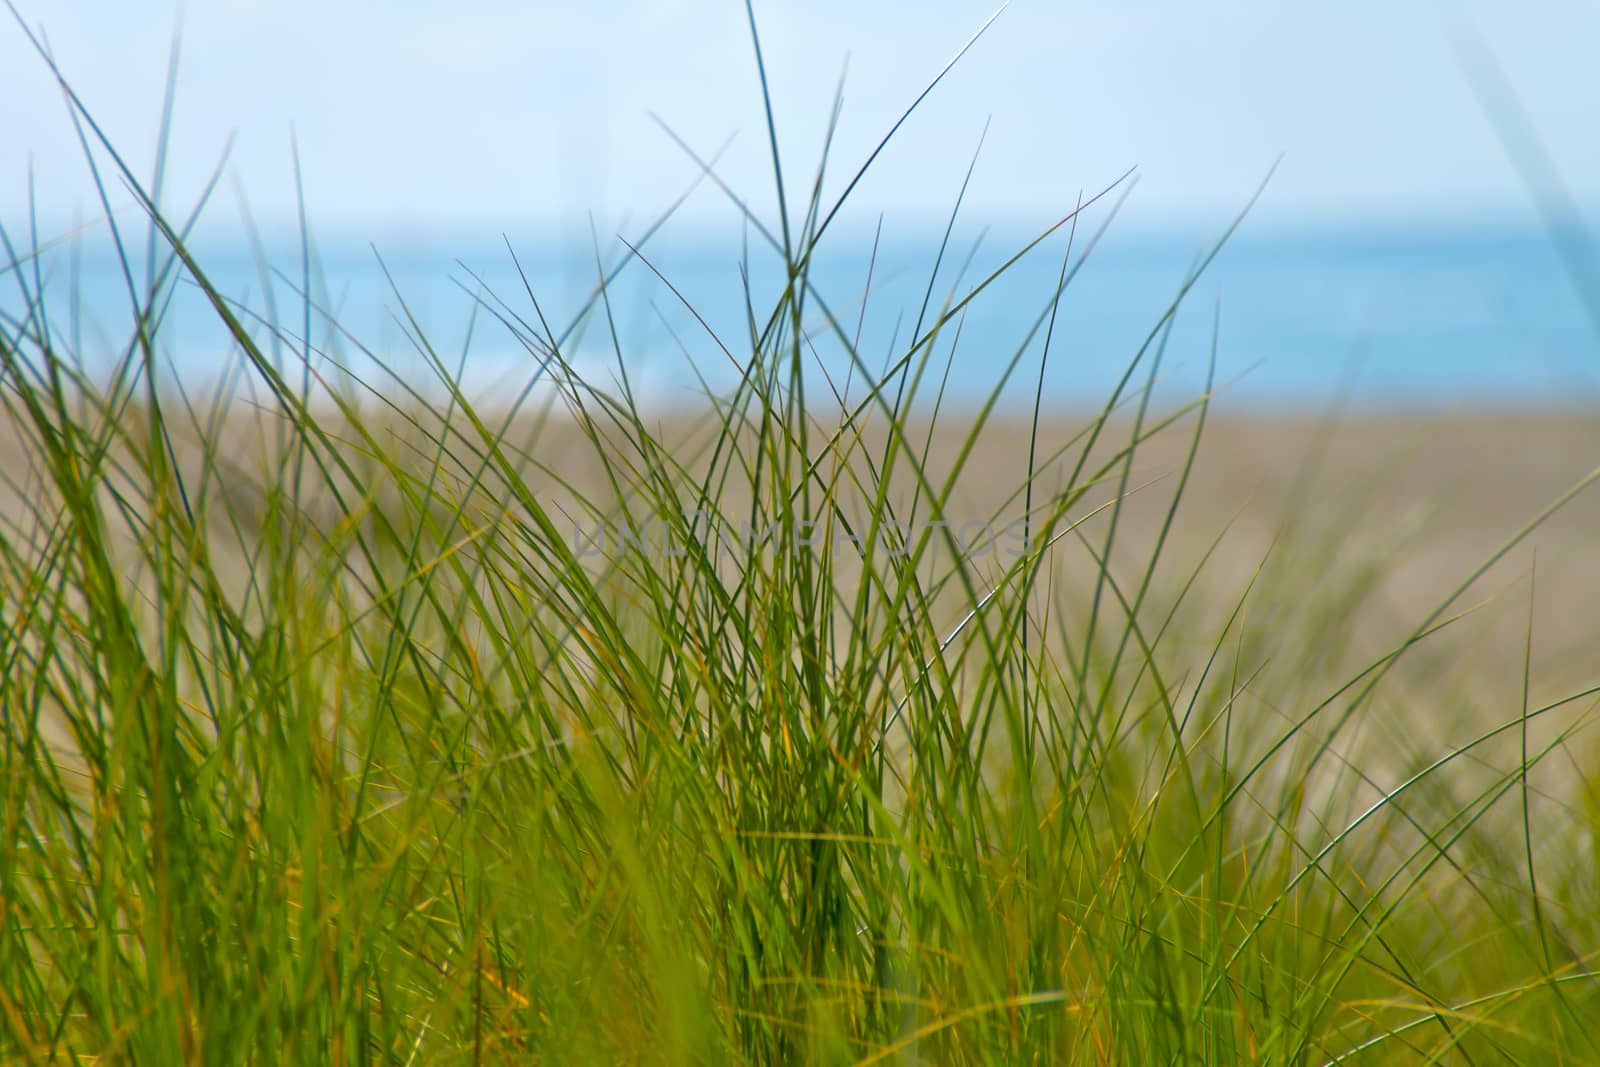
(1389, 318)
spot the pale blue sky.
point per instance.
(494, 113)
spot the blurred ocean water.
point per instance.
(1384, 319)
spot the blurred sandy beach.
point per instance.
(1396, 510)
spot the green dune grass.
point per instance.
(326, 740)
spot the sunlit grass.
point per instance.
(327, 740)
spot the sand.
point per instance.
(1391, 512)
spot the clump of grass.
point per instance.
(338, 746)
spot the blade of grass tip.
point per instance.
(938, 407)
(1033, 447)
(38, 249)
(1157, 336)
(800, 280)
(532, 340)
(141, 344)
(163, 140)
(744, 373)
(33, 321)
(1134, 632)
(784, 245)
(1158, 329)
(258, 255)
(949, 362)
(880, 380)
(229, 313)
(611, 321)
(861, 318)
(161, 280)
(436, 462)
(149, 309)
(882, 144)
(814, 205)
(927, 298)
(959, 306)
(303, 230)
(1528, 153)
(938, 259)
(772, 137)
(892, 365)
(1133, 629)
(750, 221)
(143, 308)
(35, 314)
(708, 171)
(643, 239)
(986, 409)
(1190, 456)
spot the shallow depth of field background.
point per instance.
(325, 740)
